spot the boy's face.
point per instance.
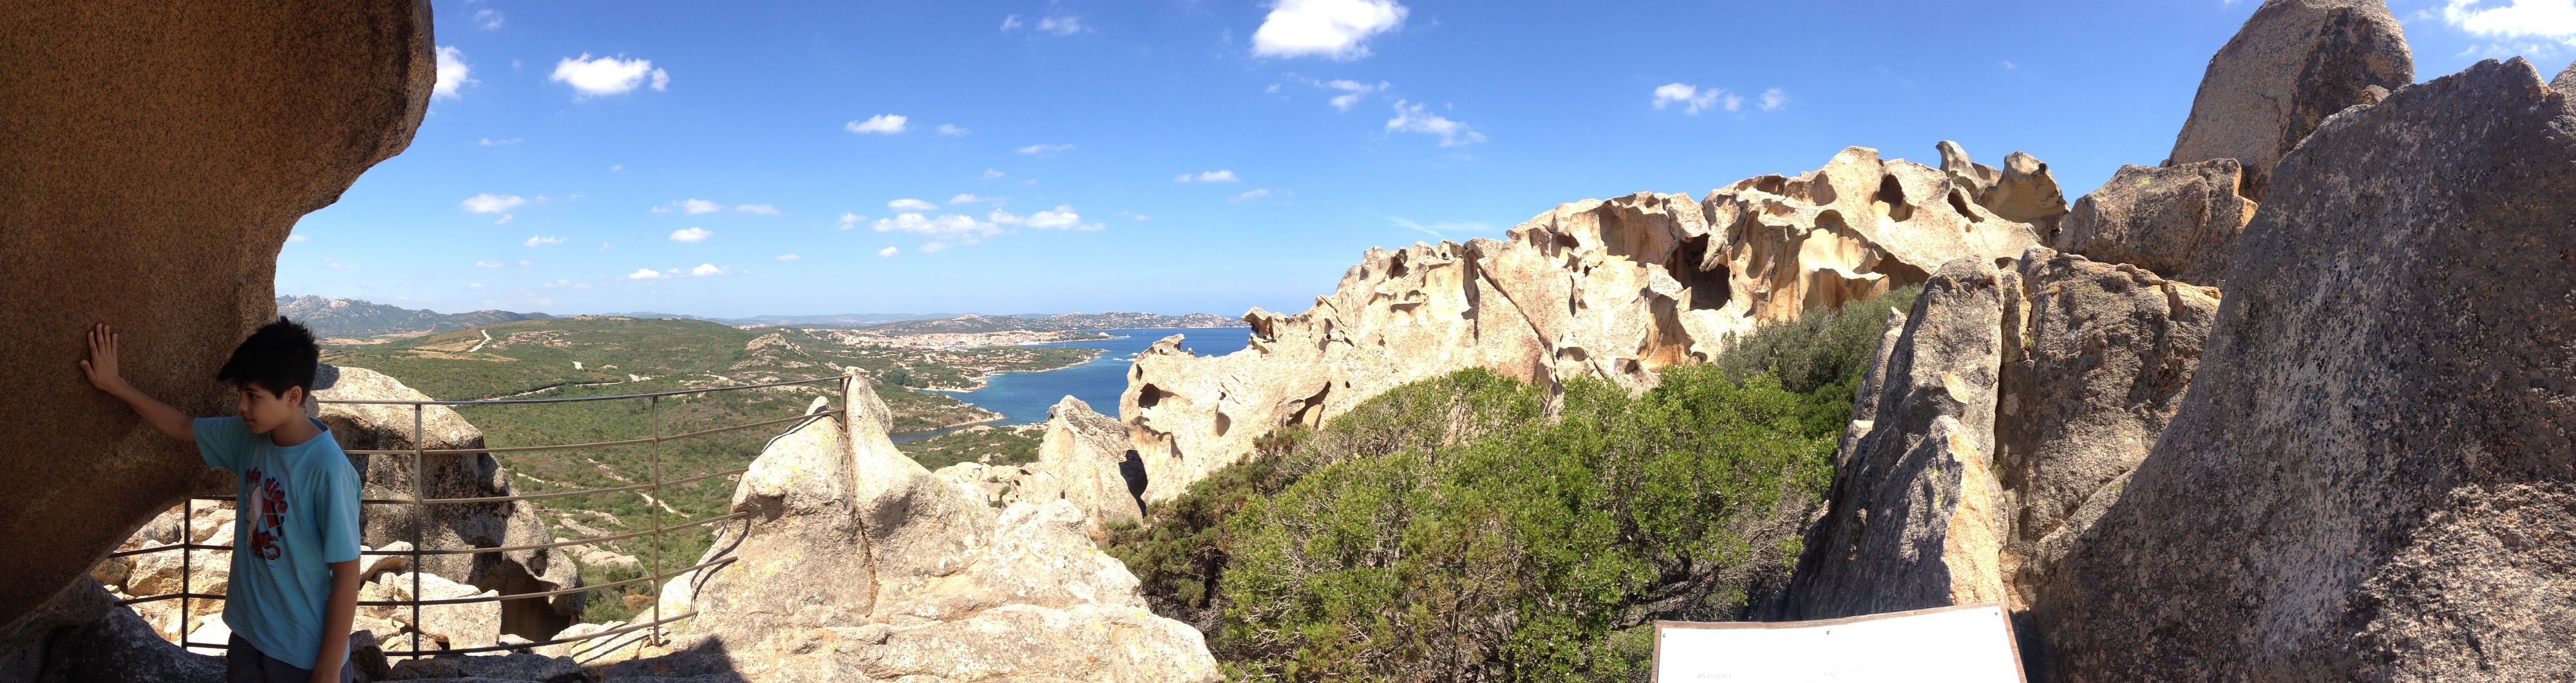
(266, 411)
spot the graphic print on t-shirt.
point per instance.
(269, 506)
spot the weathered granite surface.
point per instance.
(2179, 221)
(2294, 63)
(2370, 479)
(1617, 289)
(153, 178)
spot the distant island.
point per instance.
(358, 319)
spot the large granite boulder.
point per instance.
(2294, 63)
(81, 636)
(1086, 459)
(1912, 520)
(452, 526)
(159, 155)
(2371, 476)
(2001, 420)
(2179, 221)
(858, 564)
(1618, 289)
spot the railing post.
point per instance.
(420, 523)
(654, 420)
(187, 537)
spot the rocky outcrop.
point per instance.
(2179, 221)
(81, 636)
(857, 564)
(452, 526)
(1995, 429)
(2294, 63)
(2369, 479)
(1085, 459)
(154, 195)
(1617, 289)
(1913, 520)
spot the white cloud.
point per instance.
(452, 73)
(1137, 216)
(1694, 99)
(1352, 91)
(646, 274)
(1011, 22)
(1207, 177)
(613, 168)
(691, 234)
(1333, 29)
(477, 285)
(607, 75)
(489, 264)
(888, 252)
(493, 203)
(1062, 26)
(962, 229)
(488, 142)
(336, 265)
(2009, 66)
(911, 205)
(1257, 193)
(1415, 118)
(298, 238)
(951, 129)
(972, 199)
(790, 257)
(1061, 218)
(849, 220)
(887, 124)
(488, 19)
(541, 240)
(525, 262)
(932, 247)
(990, 174)
(1044, 149)
(693, 206)
(2552, 19)
(1773, 99)
(757, 209)
(709, 270)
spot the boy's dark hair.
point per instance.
(278, 356)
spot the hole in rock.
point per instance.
(1223, 423)
(1708, 288)
(1959, 203)
(1770, 183)
(1150, 395)
(1820, 189)
(1132, 469)
(1891, 197)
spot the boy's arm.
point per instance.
(101, 369)
(336, 617)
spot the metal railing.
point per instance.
(420, 502)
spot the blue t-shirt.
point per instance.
(297, 512)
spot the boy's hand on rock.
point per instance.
(101, 365)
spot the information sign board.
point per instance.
(1963, 644)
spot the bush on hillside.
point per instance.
(1819, 348)
(1521, 554)
(1451, 529)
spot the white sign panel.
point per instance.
(1965, 644)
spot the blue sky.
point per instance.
(1181, 156)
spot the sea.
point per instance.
(1024, 397)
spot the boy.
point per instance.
(295, 548)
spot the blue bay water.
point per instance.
(1024, 397)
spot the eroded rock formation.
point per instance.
(1085, 459)
(1994, 430)
(160, 153)
(452, 526)
(857, 564)
(2370, 478)
(2179, 221)
(1617, 289)
(2294, 63)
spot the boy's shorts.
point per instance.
(246, 664)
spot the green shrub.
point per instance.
(1521, 553)
(1820, 348)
